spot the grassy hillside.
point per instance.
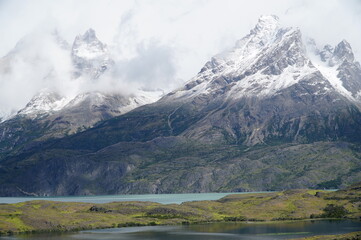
(348, 236)
(37, 216)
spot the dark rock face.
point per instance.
(263, 116)
(70, 175)
(18, 131)
(326, 53)
(344, 52)
(182, 166)
(350, 75)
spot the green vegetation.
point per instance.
(334, 211)
(348, 236)
(40, 216)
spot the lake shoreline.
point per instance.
(343, 236)
(41, 216)
(59, 231)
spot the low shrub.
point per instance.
(334, 211)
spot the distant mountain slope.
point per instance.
(272, 113)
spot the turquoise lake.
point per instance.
(160, 198)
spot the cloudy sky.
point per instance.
(158, 43)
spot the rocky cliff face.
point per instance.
(271, 113)
(270, 87)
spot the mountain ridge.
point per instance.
(56, 114)
(277, 119)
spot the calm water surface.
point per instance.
(160, 198)
(215, 231)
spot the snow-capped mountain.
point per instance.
(64, 113)
(274, 112)
(90, 56)
(273, 67)
(339, 67)
(257, 65)
(272, 58)
(45, 102)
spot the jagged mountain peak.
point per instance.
(267, 23)
(272, 58)
(269, 19)
(44, 102)
(89, 35)
(343, 51)
(257, 65)
(269, 73)
(339, 68)
(335, 55)
(88, 46)
(90, 56)
(266, 33)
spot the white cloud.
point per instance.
(157, 43)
